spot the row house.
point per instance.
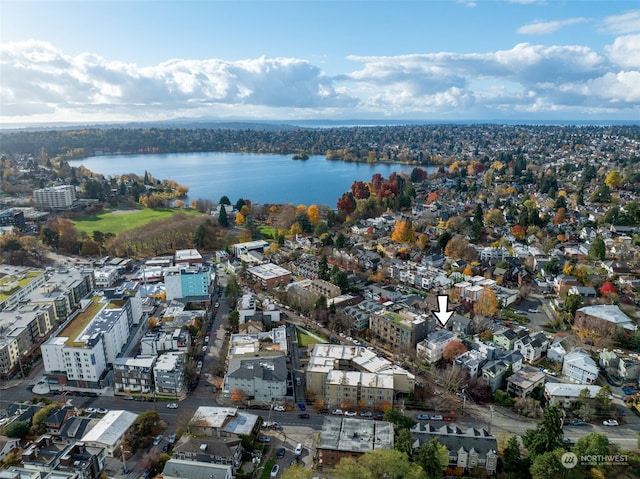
(566, 395)
(361, 313)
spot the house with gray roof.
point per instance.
(261, 379)
(181, 468)
(579, 367)
(225, 451)
(468, 448)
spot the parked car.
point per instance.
(449, 418)
(610, 422)
(172, 438)
(102, 410)
(568, 440)
(165, 448)
(379, 416)
(157, 439)
(351, 413)
(302, 406)
(304, 415)
(91, 410)
(274, 470)
(172, 405)
(264, 439)
(337, 412)
(437, 417)
(323, 410)
(532, 310)
(281, 452)
(423, 417)
(280, 408)
(298, 450)
(578, 422)
(366, 414)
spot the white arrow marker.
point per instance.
(443, 315)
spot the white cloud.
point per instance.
(41, 83)
(625, 51)
(628, 22)
(545, 28)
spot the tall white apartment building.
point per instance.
(56, 197)
(78, 356)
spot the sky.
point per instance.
(88, 61)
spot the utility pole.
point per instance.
(124, 464)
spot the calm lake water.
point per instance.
(261, 178)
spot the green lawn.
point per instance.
(117, 221)
(268, 231)
(305, 340)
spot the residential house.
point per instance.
(260, 379)
(431, 348)
(532, 346)
(461, 325)
(563, 283)
(226, 451)
(564, 395)
(494, 371)
(180, 469)
(505, 338)
(579, 367)
(629, 370)
(111, 430)
(522, 383)
(472, 448)
(222, 422)
(556, 351)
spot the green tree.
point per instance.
(603, 399)
(594, 443)
(340, 241)
(297, 471)
(597, 250)
(398, 419)
(148, 423)
(199, 236)
(234, 321)
(516, 466)
(222, 217)
(433, 457)
(548, 466)
(224, 200)
(323, 268)
(16, 429)
(573, 302)
(349, 468)
(548, 434)
(339, 278)
(404, 442)
(233, 289)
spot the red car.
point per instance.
(449, 418)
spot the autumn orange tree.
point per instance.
(237, 395)
(487, 303)
(454, 349)
(313, 214)
(403, 232)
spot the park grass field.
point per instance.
(268, 232)
(305, 340)
(117, 221)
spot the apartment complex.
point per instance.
(55, 197)
(269, 275)
(328, 362)
(17, 283)
(168, 373)
(134, 375)
(192, 283)
(89, 341)
(351, 437)
(397, 330)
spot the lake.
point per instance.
(261, 178)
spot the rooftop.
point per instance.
(355, 435)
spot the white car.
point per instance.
(157, 440)
(533, 310)
(298, 450)
(102, 410)
(610, 422)
(337, 412)
(350, 413)
(172, 405)
(280, 408)
(91, 410)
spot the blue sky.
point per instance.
(90, 61)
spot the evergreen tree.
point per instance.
(597, 250)
(516, 466)
(548, 434)
(323, 268)
(225, 200)
(222, 217)
(433, 457)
